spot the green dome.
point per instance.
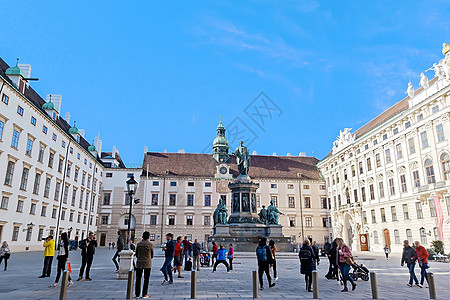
(220, 141)
(73, 130)
(49, 106)
(14, 70)
(92, 148)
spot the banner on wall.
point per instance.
(364, 242)
(439, 217)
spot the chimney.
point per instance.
(67, 117)
(145, 149)
(288, 154)
(302, 154)
(165, 150)
(81, 132)
(26, 70)
(254, 152)
(113, 153)
(56, 99)
(181, 151)
(98, 144)
(274, 154)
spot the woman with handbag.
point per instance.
(422, 256)
(345, 260)
(178, 257)
(5, 253)
(230, 256)
(62, 258)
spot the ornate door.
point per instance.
(387, 238)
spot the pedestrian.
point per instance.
(5, 253)
(221, 258)
(333, 272)
(196, 247)
(166, 268)
(273, 249)
(178, 257)
(144, 256)
(230, 256)
(63, 257)
(49, 252)
(315, 248)
(87, 255)
(345, 260)
(214, 255)
(109, 246)
(308, 258)
(264, 257)
(422, 256)
(120, 246)
(113, 245)
(410, 256)
(186, 249)
(387, 251)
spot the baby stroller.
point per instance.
(205, 259)
(359, 271)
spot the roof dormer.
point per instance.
(17, 77)
(51, 109)
(75, 132)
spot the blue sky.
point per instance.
(159, 75)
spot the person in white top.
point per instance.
(387, 251)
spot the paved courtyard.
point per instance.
(21, 280)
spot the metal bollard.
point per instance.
(373, 284)
(315, 282)
(255, 283)
(431, 286)
(130, 284)
(193, 284)
(64, 282)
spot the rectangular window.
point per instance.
(207, 220)
(173, 183)
(307, 202)
(189, 220)
(171, 220)
(419, 210)
(155, 183)
(48, 181)
(308, 221)
(435, 109)
(381, 188)
(29, 147)
(54, 212)
(80, 205)
(44, 129)
(57, 190)
(24, 180)
(69, 168)
(153, 220)
(440, 133)
(74, 196)
(378, 160)
(361, 170)
(291, 202)
(399, 151)
(75, 177)
(374, 217)
(355, 195)
(375, 142)
(63, 144)
(172, 199)
(411, 146)
(60, 165)
(385, 137)
(2, 125)
(66, 194)
(20, 110)
(394, 213)
(416, 178)
(324, 202)
(273, 186)
(324, 222)
(33, 209)
(37, 181)
(105, 220)
(207, 200)
(387, 154)
(290, 186)
(191, 183)
(419, 117)
(9, 173)
(4, 204)
(41, 153)
(391, 186)
(106, 198)
(369, 164)
(364, 217)
(207, 184)
(19, 206)
(407, 124)
(54, 137)
(306, 186)
(33, 121)
(432, 209)
(366, 146)
(372, 192)
(395, 131)
(405, 212)
(363, 194)
(63, 215)
(353, 171)
(154, 199)
(403, 183)
(291, 221)
(51, 158)
(15, 139)
(5, 99)
(424, 139)
(44, 211)
(383, 215)
(15, 234)
(190, 200)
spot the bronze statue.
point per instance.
(272, 214)
(242, 159)
(220, 214)
(263, 215)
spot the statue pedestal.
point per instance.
(222, 230)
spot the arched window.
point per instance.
(409, 236)
(397, 236)
(445, 161)
(429, 170)
(375, 237)
(423, 236)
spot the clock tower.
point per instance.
(220, 144)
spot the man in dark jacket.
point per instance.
(409, 256)
(196, 254)
(144, 256)
(186, 249)
(119, 248)
(264, 256)
(87, 255)
(169, 250)
(333, 268)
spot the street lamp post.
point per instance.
(131, 187)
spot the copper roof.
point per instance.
(204, 165)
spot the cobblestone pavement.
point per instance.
(21, 280)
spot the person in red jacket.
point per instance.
(422, 255)
(214, 249)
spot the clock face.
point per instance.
(223, 170)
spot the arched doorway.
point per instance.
(123, 225)
(387, 238)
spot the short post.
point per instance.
(130, 284)
(431, 286)
(255, 283)
(194, 284)
(315, 282)
(64, 282)
(373, 284)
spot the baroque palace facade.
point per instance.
(180, 191)
(390, 180)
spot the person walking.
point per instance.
(187, 249)
(49, 252)
(264, 257)
(5, 253)
(308, 258)
(387, 251)
(422, 256)
(214, 255)
(344, 260)
(169, 250)
(178, 257)
(333, 272)
(62, 258)
(221, 258)
(316, 250)
(273, 250)
(230, 256)
(409, 257)
(196, 247)
(119, 248)
(144, 256)
(87, 255)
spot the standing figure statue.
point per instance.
(263, 215)
(242, 159)
(410, 90)
(220, 214)
(424, 81)
(272, 214)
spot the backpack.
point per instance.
(261, 254)
(305, 255)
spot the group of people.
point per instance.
(411, 256)
(220, 256)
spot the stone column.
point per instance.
(126, 263)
